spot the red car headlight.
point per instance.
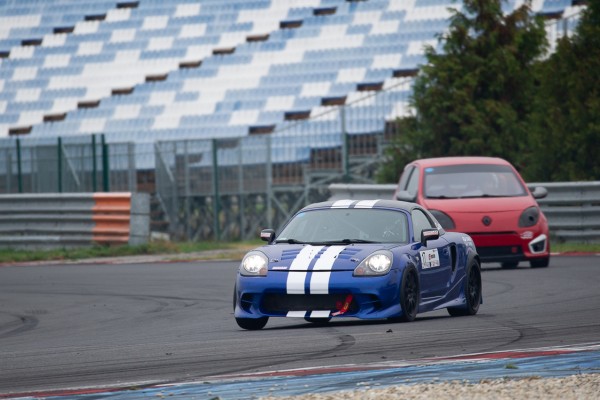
(529, 217)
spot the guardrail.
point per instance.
(572, 208)
(45, 221)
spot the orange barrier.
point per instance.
(60, 220)
(111, 214)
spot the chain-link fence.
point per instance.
(224, 188)
(74, 164)
(39, 165)
(232, 187)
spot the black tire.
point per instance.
(510, 265)
(252, 324)
(318, 321)
(472, 287)
(409, 295)
(540, 262)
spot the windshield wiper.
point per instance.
(347, 241)
(290, 241)
(442, 196)
(482, 195)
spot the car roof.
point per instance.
(440, 161)
(364, 204)
(372, 204)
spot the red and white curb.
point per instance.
(472, 357)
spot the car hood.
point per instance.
(484, 215)
(282, 257)
(480, 205)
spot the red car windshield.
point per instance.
(471, 180)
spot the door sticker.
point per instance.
(430, 258)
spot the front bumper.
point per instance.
(511, 246)
(371, 297)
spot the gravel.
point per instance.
(586, 386)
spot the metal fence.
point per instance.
(561, 25)
(52, 220)
(572, 208)
(71, 164)
(229, 188)
(225, 188)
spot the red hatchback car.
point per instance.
(486, 198)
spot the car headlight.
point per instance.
(254, 264)
(529, 217)
(378, 263)
(444, 219)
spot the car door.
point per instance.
(435, 261)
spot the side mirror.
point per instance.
(403, 195)
(267, 235)
(429, 234)
(539, 192)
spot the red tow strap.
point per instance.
(342, 308)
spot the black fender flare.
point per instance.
(472, 256)
(408, 265)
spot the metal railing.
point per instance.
(226, 188)
(558, 28)
(71, 164)
(59, 220)
(572, 208)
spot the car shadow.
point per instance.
(356, 322)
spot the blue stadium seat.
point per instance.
(189, 69)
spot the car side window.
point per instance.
(420, 222)
(413, 182)
(404, 178)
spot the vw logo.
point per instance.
(486, 220)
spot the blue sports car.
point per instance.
(366, 259)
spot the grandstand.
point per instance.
(300, 83)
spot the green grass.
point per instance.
(575, 247)
(233, 249)
(161, 247)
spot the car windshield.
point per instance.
(345, 226)
(471, 180)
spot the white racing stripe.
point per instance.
(357, 204)
(297, 275)
(320, 314)
(342, 204)
(296, 314)
(313, 314)
(319, 282)
(366, 204)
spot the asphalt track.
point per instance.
(79, 326)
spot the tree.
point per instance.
(476, 96)
(566, 118)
